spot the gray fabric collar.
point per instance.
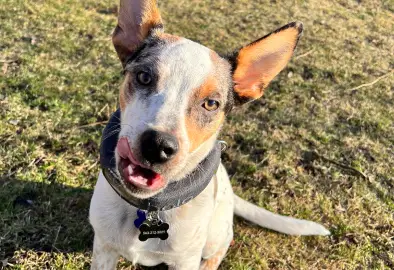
(175, 194)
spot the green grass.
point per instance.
(59, 75)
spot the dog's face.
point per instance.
(176, 94)
(173, 101)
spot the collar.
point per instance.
(175, 194)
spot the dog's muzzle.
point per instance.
(175, 194)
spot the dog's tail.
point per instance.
(283, 224)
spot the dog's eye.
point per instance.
(144, 78)
(211, 105)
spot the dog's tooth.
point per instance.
(129, 170)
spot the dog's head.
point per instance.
(176, 93)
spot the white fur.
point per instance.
(198, 229)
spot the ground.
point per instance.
(318, 146)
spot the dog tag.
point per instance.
(153, 231)
(153, 227)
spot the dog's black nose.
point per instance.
(157, 146)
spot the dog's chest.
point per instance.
(183, 239)
(187, 232)
(113, 221)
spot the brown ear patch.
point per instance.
(136, 20)
(150, 18)
(259, 62)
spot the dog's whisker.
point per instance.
(112, 133)
(113, 158)
(115, 116)
(118, 128)
(120, 121)
(120, 124)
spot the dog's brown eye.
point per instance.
(211, 105)
(144, 78)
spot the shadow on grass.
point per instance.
(44, 217)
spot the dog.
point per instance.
(173, 101)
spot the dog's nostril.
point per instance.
(168, 151)
(157, 146)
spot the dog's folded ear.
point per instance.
(256, 64)
(136, 20)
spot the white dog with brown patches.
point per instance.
(174, 99)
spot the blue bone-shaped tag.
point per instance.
(141, 217)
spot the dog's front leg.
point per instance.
(213, 262)
(104, 256)
(190, 263)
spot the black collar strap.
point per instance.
(175, 194)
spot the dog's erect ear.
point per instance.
(256, 64)
(136, 20)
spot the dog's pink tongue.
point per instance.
(133, 173)
(143, 178)
(123, 148)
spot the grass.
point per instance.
(59, 78)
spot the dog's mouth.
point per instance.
(138, 176)
(133, 173)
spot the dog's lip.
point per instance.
(133, 172)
